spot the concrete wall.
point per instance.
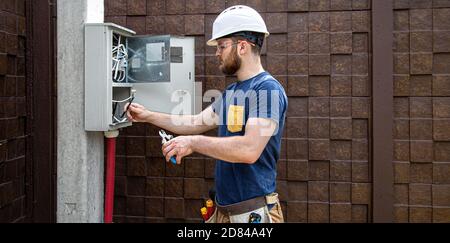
(80, 154)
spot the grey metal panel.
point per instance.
(114, 27)
(98, 76)
(157, 96)
(183, 74)
(96, 92)
(165, 96)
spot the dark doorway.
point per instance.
(41, 109)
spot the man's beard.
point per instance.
(232, 65)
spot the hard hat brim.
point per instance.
(213, 41)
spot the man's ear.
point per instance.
(243, 48)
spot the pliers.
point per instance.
(165, 138)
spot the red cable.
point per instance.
(110, 173)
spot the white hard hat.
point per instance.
(236, 19)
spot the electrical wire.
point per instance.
(125, 100)
(128, 107)
(120, 121)
(116, 102)
(119, 60)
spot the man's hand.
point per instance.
(180, 147)
(137, 112)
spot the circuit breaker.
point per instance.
(120, 67)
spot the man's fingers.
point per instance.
(166, 149)
(129, 115)
(178, 158)
(125, 107)
(165, 145)
(170, 154)
(133, 108)
(136, 105)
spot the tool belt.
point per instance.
(248, 205)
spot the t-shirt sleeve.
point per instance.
(268, 101)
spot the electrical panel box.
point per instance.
(157, 72)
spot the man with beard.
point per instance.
(250, 118)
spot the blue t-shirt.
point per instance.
(263, 97)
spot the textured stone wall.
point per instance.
(320, 52)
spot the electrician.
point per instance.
(250, 118)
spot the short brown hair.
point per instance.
(256, 49)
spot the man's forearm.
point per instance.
(178, 124)
(236, 149)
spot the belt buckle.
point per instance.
(271, 198)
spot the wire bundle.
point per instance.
(119, 60)
(129, 100)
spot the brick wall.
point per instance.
(422, 111)
(320, 52)
(12, 110)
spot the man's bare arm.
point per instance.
(178, 124)
(235, 149)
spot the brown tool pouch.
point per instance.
(239, 212)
